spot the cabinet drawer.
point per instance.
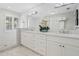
(41, 48)
(53, 48)
(53, 38)
(70, 41)
(38, 36)
(29, 44)
(63, 40)
(27, 35)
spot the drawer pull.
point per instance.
(60, 45)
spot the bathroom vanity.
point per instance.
(59, 40)
(51, 44)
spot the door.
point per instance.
(71, 50)
(53, 48)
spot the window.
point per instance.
(11, 22)
(8, 23)
(15, 23)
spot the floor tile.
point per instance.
(19, 51)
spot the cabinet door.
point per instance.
(28, 40)
(53, 48)
(40, 44)
(71, 51)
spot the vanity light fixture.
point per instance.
(8, 7)
(52, 13)
(59, 4)
(62, 4)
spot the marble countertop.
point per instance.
(54, 34)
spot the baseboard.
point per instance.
(31, 50)
(12, 47)
(7, 49)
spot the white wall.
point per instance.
(7, 37)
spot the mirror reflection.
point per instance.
(61, 18)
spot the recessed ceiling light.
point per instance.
(33, 13)
(8, 7)
(52, 13)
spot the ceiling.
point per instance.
(50, 9)
(42, 8)
(18, 7)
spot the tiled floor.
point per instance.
(18, 51)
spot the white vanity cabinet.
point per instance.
(62, 46)
(40, 44)
(50, 45)
(71, 46)
(57, 49)
(53, 47)
(28, 39)
(34, 41)
(70, 50)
